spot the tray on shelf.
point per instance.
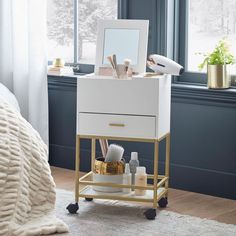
(88, 192)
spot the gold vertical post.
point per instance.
(167, 164)
(93, 153)
(155, 179)
(77, 164)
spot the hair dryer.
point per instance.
(164, 65)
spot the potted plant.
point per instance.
(218, 66)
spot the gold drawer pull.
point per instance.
(117, 124)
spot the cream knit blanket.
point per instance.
(27, 189)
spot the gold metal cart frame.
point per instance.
(157, 191)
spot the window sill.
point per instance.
(181, 92)
(65, 75)
(201, 94)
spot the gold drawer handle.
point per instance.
(116, 124)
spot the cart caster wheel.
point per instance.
(88, 199)
(163, 202)
(150, 214)
(73, 208)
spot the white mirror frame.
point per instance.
(141, 25)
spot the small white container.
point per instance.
(127, 179)
(121, 72)
(140, 180)
(115, 179)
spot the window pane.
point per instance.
(60, 22)
(89, 13)
(210, 21)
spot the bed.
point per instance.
(9, 96)
(27, 189)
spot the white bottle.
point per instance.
(140, 180)
(133, 164)
(127, 178)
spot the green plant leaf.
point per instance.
(221, 55)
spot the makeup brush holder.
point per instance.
(121, 72)
(108, 172)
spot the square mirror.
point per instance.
(126, 39)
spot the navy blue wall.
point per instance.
(203, 134)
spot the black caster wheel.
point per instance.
(150, 214)
(88, 199)
(163, 202)
(73, 208)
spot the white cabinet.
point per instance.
(135, 108)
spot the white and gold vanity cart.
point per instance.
(134, 110)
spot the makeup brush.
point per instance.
(104, 146)
(115, 64)
(127, 63)
(114, 60)
(109, 58)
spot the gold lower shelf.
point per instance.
(88, 192)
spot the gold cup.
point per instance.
(218, 76)
(58, 62)
(109, 168)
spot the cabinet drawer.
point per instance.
(113, 96)
(116, 125)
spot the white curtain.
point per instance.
(23, 62)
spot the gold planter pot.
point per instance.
(108, 172)
(109, 168)
(218, 76)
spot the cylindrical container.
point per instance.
(218, 76)
(108, 172)
(121, 72)
(140, 180)
(133, 164)
(127, 178)
(115, 179)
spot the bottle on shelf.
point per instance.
(133, 164)
(127, 178)
(141, 180)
